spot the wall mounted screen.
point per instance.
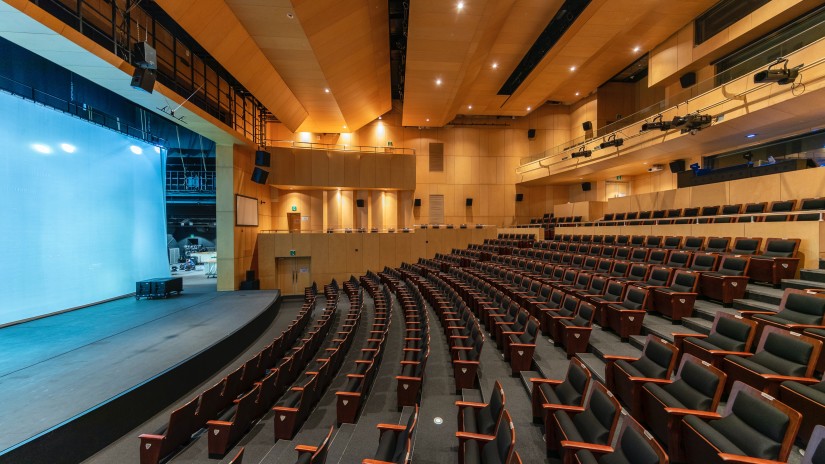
(246, 211)
(82, 212)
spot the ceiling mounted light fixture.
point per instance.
(657, 123)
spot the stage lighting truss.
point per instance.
(656, 123)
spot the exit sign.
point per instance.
(291, 252)
(618, 177)
(294, 208)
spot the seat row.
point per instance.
(705, 214)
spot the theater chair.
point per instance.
(753, 425)
(717, 245)
(596, 287)
(798, 310)
(780, 355)
(704, 262)
(489, 449)
(614, 293)
(676, 301)
(777, 262)
(626, 317)
(350, 397)
(408, 387)
(570, 391)
(783, 206)
(753, 208)
(729, 334)
(625, 375)
(728, 282)
(807, 397)
(817, 334)
(658, 277)
(466, 356)
(697, 386)
(182, 424)
(521, 347)
(810, 204)
(746, 246)
(634, 445)
(225, 432)
(482, 418)
(567, 310)
(505, 331)
(574, 333)
(693, 244)
(395, 442)
(238, 459)
(678, 259)
(314, 454)
(594, 423)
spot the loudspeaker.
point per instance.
(144, 79)
(469, 202)
(262, 158)
(677, 166)
(259, 176)
(586, 186)
(417, 202)
(359, 203)
(587, 126)
(519, 196)
(250, 275)
(687, 79)
(144, 56)
(531, 133)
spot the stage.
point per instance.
(70, 382)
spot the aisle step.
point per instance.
(594, 364)
(707, 309)
(754, 305)
(764, 294)
(801, 284)
(695, 324)
(815, 275)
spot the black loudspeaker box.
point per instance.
(519, 196)
(586, 186)
(144, 56)
(144, 79)
(250, 275)
(687, 79)
(587, 126)
(417, 202)
(677, 166)
(259, 176)
(531, 133)
(469, 202)
(359, 203)
(262, 158)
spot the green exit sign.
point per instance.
(291, 252)
(618, 177)
(294, 208)
(191, 235)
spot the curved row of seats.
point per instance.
(271, 369)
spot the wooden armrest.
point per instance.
(217, 423)
(562, 407)
(306, 449)
(470, 404)
(743, 354)
(463, 436)
(726, 457)
(650, 379)
(753, 312)
(374, 461)
(393, 427)
(693, 412)
(547, 381)
(793, 378)
(614, 357)
(355, 376)
(578, 445)
(343, 393)
(152, 437)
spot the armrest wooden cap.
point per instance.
(562, 407)
(394, 427)
(577, 445)
(614, 357)
(693, 412)
(470, 404)
(726, 457)
(474, 436)
(306, 449)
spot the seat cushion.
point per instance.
(754, 427)
(815, 392)
(479, 421)
(716, 341)
(633, 449)
(648, 368)
(582, 427)
(586, 457)
(550, 394)
(664, 396)
(749, 364)
(386, 446)
(716, 438)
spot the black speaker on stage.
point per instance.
(586, 186)
(262, 158)
(677, 166)
(359, 203)
(469, 202)
(531, 134)
(144, 79)
(417, 202)
(519, 196)
(687, 79)
(587, 126)
(259, 176)
(144, 56)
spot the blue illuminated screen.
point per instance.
(82, 212)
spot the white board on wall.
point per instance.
(246, 211)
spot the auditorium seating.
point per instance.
(223, 433)
(676, 301)
(728, 282)
(569, 391)
(777, 262)
(595, 422)
(314, 454)
(729, 334)
(798, 310)
(808, 397)
(753, 425)
(499, 448)
(634, 445)
(625, 375)
(395, 442)
(573, 333)
(625, 318)
(482, 418)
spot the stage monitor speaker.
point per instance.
(531, 134)
(259, 176)
(144, 79)
(417, 202)
(587, 126)
(677, 166)
(359, 203)
(469, 202)
(262, 158)
(687, 79)
(586, 186)
(519, 196)
(144, 56)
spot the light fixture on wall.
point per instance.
(656, 123)
(582, 153)
(612, 141)
(781, 76)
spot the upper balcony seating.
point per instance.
(314, 454)
(697, 386)
(746, 246)
(780, 355)
(752, 208)
(708, 211)
(625, 375)
(569, 391)
(482, 418)
(731, 209)
(676, 301)
(395, 442)
(490, 449)
(753, 424)
(780, 207)
(798, 310)
(810, 204)
(634, 445)
(728, 282)
(626, 317)
(729, 334)
(595, 422)
(777, 262)
(808, 397)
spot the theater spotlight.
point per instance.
(697, 122)
(656, 123)
(612, 141)
(582, 153)
(781, 76)
(678, 121)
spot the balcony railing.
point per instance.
(339, 147)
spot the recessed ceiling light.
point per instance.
(68, 148)
(136, 149)
(577, 94)
(438, 81)
(326, 90)
(469, 107)
(637, 49)
(428, 119)
(379, 118)
(750, 136)
(572, 68)
(290, 15)
(459, 6)
(495, 65)
(344, 126)
(645, 162)
(40, 148)
(529, 108)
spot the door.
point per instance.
(294, 275)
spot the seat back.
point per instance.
(653, 241)
(693, 243)
(584, 316)
(802, 306)
(781, 247)
(717, 244)
(786, 352)
(182, 424)
(697, 384)
(635, 298)
(672, 242)
(690, 212)
(710, 210)
(746, 246)
(782, 206)
(614, 292)
(685, 281)
(638, 272)
(659, 276)
(601, 414)
(704, 262)
(573, 389)
(678, 259)
(620, 269)
(659, 214)
(636, 445)
(732, 332)
(645, 214)
(731, 209)
(569, 305)
(657, 257)
(504, 445)
(734, 265)
(658, 358)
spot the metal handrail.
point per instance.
(626, 222)
(339, 147)
(390, 230)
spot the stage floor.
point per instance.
(56, 368)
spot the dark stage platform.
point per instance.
(69, 383)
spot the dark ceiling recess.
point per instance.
(561, 22)
(399, 11)
(633, 73)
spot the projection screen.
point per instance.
(82, 212)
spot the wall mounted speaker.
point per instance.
(144, 56)
(259, 176)
(417, 202)
(469, 202)
(531, 134)
(519, 196)
(586, 186)
(687, 79)
(587, 126)
(359, 203)
(144, 79)
(677, 166)
(262, 158)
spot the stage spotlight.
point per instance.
(782, 76)
(68, 148)
(656, 123)
(678, 121)
(697, 122)
(612, 141)
(582, 153)
(136, 150)
(41, 148)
